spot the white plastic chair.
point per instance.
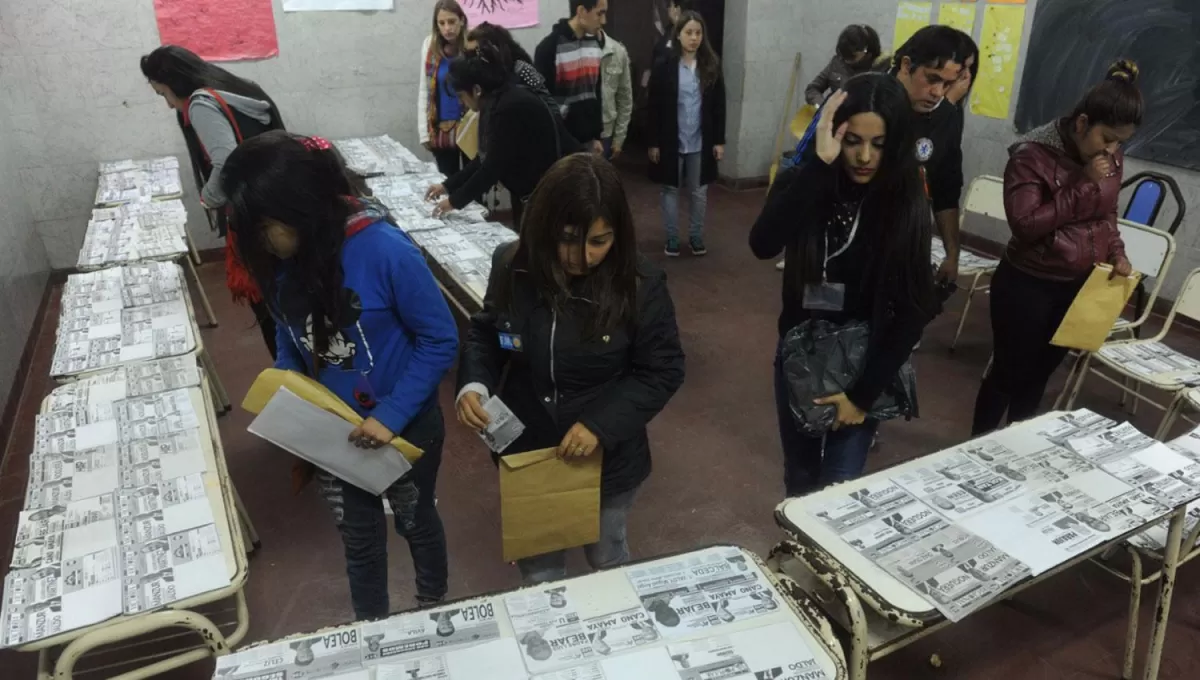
(1151, 252)
(985, 197)
(1149, 361)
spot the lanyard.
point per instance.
(845, 246)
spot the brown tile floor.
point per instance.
(717, 479)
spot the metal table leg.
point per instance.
(1135, 604)
(244, 519)
(218, 388)
(1166, 590)
(195, 254)
(208, 310)
(962, 319)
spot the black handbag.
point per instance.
(821, 358)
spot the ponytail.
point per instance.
(1116, 101)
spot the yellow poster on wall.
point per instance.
(999, 45)
(960, 15)
(910, 18)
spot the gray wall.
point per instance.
(69, 74)
(23, 264)
(763, 36)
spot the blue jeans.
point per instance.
(610, 551)
(361, 521)
(689, 178)
(811, 463)
(607, 142)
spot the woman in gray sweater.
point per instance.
(857, 49)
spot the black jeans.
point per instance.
(449, 161)
(518, 210)
(360, 519)
(266, 325)
(1026, 312)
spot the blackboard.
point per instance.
(1074, 41)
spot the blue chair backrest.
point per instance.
(1147, 200)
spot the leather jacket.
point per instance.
(1063, 223)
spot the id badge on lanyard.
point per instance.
(827, 296)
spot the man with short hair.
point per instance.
(569, 60)
(617, 94)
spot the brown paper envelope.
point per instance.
(269, 381)
(548, 504)
(1095, 309)
(468, 135)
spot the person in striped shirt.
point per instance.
(569, 60)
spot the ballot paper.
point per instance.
(547, 625)
(322, 439)
(503, 426)
(495, 660)
(43, 602)
(406, 636)
(702, 590)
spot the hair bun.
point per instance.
(1124, 70)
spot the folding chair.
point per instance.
(1148, 362)
(1151, 252)
(985, 197)
(1149, 193)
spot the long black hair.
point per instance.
(708, 64)
(574, 193)
(304, 185)
(484, 67)
(857, 38)
(1115, 101)
(895, 216)
(498, 36)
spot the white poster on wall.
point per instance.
(335, 5)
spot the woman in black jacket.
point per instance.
(686, 128)
(521, 136)
(586, 329)
(856, 227)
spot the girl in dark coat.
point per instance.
(686, 121)
(586, 330)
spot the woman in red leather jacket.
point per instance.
(1060, 196)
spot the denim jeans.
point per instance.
(363, 525)
(610, 551)
(811, 463)
(689, 178)
(607, 142)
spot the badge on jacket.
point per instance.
(924, 149)
(511, 342)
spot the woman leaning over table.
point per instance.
(359, 311)
(586, 329)
(1061, 189)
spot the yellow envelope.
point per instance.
(1095, 309)
(468, 135)
(802, 120)
(548, 504)
(269, 381)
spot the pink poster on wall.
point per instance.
(219, 30)
(507, 13)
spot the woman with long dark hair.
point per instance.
(856, 226)
(438, 107)
(521, 135)
(857, 51)
(360, 312)
(583, 329)
(1061, 191)
(686, 127)
(216, 110)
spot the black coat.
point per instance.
(613, 385)
(662, 123)
(522, 137)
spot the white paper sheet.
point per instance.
(321, 438)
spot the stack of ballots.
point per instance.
(122, 507)
(373, 156)
(153, 230)
(133, 181)
(122, 314)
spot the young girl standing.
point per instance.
(438, 107)
(686, 121)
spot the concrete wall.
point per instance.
(765, 37)
(69, 76)
(23, 264)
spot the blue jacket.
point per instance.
(398, 338)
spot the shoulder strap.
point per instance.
(237, 131)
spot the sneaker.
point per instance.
(781, 265)
(672, 249)
(697, 245)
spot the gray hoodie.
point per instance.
(216, 135)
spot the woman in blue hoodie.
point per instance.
(358, 309)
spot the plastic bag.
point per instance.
(822, 359)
